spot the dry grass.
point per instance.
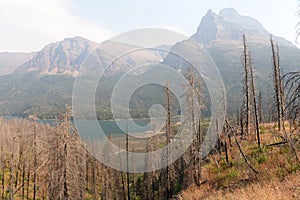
(288, 188)
(278, 176)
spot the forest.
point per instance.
(39, 161)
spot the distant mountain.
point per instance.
(229, 25)
(221, 36)
(42, 86)
(64, 57)
(42, 82)
(67, 56)
(11, 61)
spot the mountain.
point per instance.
(42, 85)
(221, 37)
(10, 61)
(64, 57)
(229, 25)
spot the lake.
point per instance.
(92, 128)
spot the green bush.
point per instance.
(261, 159)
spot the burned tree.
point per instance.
(278, 87)
(246, 90)
(168, 172)
(292, 108)
(254, 101)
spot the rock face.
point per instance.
(230, 15)
(67, 56)
(230, 25)
(61, 57)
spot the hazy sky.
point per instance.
(27, 25)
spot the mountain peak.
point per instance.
(228, 25)
(210, 12)
(64, 56)
(229, 13)
(208, 28)
(77, 39)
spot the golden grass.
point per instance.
(287, 188)
(278, 176)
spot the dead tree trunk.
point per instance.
(122, 176)
(246, 86)
(254, 102)
(127, 163)
(277, 81)
(28, 182)
(225, 131)
(260, 112)
(168, 139)
(242, 121)
(2, 173)
(34, 163)
(11, 170)
(23, 180)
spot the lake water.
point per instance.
(94, 129)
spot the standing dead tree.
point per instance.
(168, 194)
(34, 163)
(249, 94)
(278, 86)
(260, 107)
(195, 106)
(149, 177)
(246, 89)
(279, 96)
(292, 86)
(293, 103)
(254, 101)
(66, 162)
(127, 163)
(107, 173)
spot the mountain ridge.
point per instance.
(230, 25)
(60, 57)
(43, 85)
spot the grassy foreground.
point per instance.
(277, 166)
(284, 188)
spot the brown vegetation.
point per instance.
(284, 188)
(277, 168)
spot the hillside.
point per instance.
(280, 188)
(30, 149)
(277, 169)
